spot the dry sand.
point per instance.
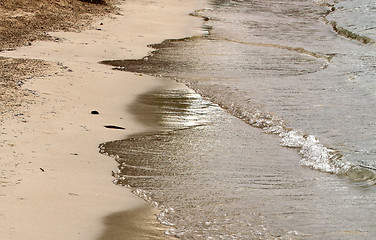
(22, 23)
(54, 183)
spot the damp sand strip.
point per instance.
(74, 193)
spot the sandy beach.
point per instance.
(54, 182)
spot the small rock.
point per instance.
(114, 127)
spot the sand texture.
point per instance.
(54, 183)
(24, 22)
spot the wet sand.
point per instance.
(137, 223)
(55, 184)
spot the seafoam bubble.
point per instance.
(292, 139)
(316, 156)
(274, 129)
(171, 232)
(163, 219)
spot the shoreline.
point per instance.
(56, 185)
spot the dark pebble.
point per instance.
(114, 127)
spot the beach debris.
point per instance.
(94, 112)
(73, 194)
(84, 127)
(114, 127)
(94, 1)
(41, 169)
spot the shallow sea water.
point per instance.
(215, 177)
(281, 141)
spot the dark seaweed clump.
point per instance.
(94, 1)
(348, 34)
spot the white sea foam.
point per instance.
(292, 139)
(316, 156)
(162, 216)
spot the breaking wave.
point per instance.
(342, 31)
(314, 154)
